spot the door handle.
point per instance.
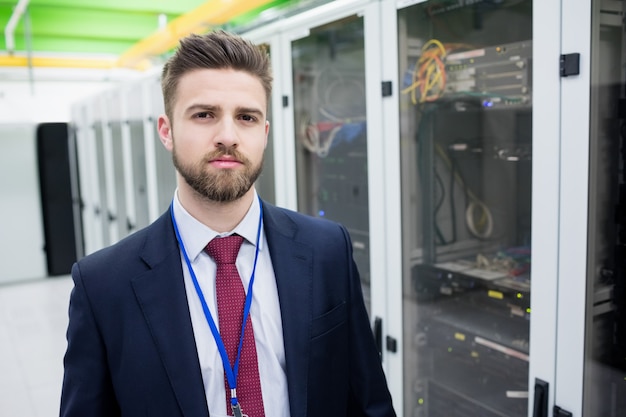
(540, 406)
(559, 412)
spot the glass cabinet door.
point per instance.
(466, 164)
(605, 331)
(330, 131)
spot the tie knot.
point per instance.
(224, 250)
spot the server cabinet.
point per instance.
(331, 134)
(329, 150)
(133, 142)
(591, 344)
(21, 229)
(466, 93)
(102, 164)
(55, 163)
(88, 194)
(116, 165)
(330, 130)
(163, 168)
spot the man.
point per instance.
(148, 332)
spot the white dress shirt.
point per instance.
(265, 309)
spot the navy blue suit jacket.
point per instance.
(131, 349)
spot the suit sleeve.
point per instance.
(87, 387)
(369, 395)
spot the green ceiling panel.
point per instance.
(103, 26)
(148, 6)
(90, 24)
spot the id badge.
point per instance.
(237, 411)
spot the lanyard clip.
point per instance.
(237, 410)
(234, 404)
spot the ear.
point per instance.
(267, 131)
(164, 128)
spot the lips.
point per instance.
(225, 161)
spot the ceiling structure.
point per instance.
(112, 33)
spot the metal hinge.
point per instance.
(569, 64)
(386, 86)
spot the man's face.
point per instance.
(218, 132)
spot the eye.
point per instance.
(248, 118)
(202, 115)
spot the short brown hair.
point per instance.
(214, 50)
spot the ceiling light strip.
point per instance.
(199, 20)
(54, 62)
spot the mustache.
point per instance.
(225, 151)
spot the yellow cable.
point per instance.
(428, 73)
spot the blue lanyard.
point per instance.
(231, 373)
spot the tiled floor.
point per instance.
(33, 320)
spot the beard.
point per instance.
(223, 186)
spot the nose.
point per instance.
(226, 134)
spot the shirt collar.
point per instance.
(195, 235)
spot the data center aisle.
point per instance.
(33, 321)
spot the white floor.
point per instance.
(33, 321)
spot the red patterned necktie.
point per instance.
(230, 303)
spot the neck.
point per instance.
(219, 216)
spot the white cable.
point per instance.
(487, 230)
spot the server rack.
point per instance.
(466, 115)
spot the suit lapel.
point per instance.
(161, 295)
(292, 262)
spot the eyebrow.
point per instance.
(201, 107)
(252, 110)
(216, 108)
